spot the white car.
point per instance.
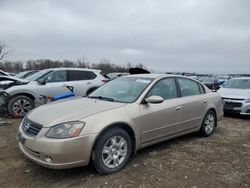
(50, 82)
(236, 95)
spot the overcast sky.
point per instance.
(164, 35)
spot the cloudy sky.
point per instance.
(164, 35)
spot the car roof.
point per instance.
(154, 76)
(73, 68)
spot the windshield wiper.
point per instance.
(101, 98)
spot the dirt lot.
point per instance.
(222, 160)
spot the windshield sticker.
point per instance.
(143, 81)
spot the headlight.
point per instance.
(66, 130)
(248, 100)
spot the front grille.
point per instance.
(248, 111)
(31, 128)
(233, 104)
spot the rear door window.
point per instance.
(164, 88)
(188, 87)
(77, 75)
(202, 90)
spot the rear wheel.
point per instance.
(112, 151)
(20, 105)
(209, 123)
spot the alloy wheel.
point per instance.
(209, 123)
(114, 152)
(21, 107)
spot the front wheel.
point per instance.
(112, 151)
(20, 105)
(208, 124)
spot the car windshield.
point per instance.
(238, 84)
(123, 89)
(38, 75)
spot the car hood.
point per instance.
(8, 82)
(70, 110)
(234, 93)
(12, 79)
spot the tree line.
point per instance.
(104, 64)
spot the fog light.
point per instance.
(48, 159)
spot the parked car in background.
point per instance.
(115, 75)
(236, 95)
(211, 82)
(12, 74)
(50, 82)
(116, 120)
(223, 79)
(25, 74)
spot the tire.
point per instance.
(20, 105)
(113, 158)
(208, 124)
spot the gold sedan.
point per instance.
(116, 120)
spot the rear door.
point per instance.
(161, 120)
(193, 103)
(81, 80)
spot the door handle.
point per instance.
(89, 83)
(205, 102)
(178, 108)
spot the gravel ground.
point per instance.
(222, 160)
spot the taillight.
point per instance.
(105, 81)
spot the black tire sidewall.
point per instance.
(13, 100)
(203, 130)
(101, 141)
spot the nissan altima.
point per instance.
(118, 119)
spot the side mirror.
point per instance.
(154, 99)
(42, 81)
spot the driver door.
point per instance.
(55, 84)
(159, 121)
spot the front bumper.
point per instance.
(57, 153)
(236, 106)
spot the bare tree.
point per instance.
(3, 52)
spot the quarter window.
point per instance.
(188, 87)
(165, 88)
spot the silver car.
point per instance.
(118, 119)
(236, 95)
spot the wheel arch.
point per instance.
(122, 125)
(25, 94)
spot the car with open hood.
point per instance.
(116, 120)
(49, 82)
(236, 95)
